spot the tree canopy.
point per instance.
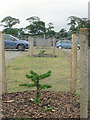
(76, 23)
(9, 22)
(37, 27)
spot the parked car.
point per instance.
(11, 42)
(65, 44)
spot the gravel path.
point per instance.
(11, 55)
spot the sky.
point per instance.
(54, 11)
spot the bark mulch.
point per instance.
(44, 55)
(52, 105)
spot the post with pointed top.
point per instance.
(3, 85)
(84, 73)
(73, 64)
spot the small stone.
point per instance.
(53, 110)
(9, 101)
(32, 99)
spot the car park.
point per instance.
(11, 42)
(65, 44)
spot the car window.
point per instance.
(66, 41)
(9, 37)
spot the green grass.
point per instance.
(59, 79)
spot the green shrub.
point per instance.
(36, 83)
(42, 52)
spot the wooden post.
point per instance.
(89, 53)
(73, 64)
(89, 76)
(54, 47)
(3, 84)
(84, 73)
(31, 46)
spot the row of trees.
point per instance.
(37, 27)
(76, 23)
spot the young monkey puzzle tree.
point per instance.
(36, 79)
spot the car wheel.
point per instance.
(78, 48)
(21, 47)
(60, 47)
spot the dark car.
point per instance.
(11, 42)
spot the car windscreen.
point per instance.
(9, 37)
(65, 41)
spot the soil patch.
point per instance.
(52, 105)
(44, 55)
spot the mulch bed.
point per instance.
(52, 105)
(44, 55)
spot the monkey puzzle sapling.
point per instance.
(36, 83)
(42, 52)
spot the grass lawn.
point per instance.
(60, 67)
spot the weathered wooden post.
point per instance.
(89, 76)
(73, 64)
(54, 47)
(31, 46)
(84, 73)
(3, 84)
(89, 53)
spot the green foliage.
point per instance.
(33, 19)
(42, 52)
(10, 21)
(36, 83)
(36, 27)
(49, 30)
(76, 23)
(48, 108)
(37, 100)
(12, 31)
(62, 34)
(78, 101)
(77, 94)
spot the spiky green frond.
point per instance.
(33, 78)
(45, 75)
(33, 73)
(28, 85)
(45, 86)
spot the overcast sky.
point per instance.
(55, 11)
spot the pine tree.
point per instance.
(36, 83)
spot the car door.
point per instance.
(6, 41)
(13, 43)
(67, 45)
(6, 44)
(10, 42)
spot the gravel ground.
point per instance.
(11, 55)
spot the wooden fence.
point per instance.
(41, 43)
(84, 91)
(83, 68)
